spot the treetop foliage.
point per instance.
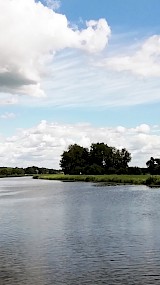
(98, 159)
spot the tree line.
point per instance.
(17, 171)
(98, 159)
(103, 159)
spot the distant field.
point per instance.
(118, 179)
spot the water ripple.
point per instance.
(78, 234)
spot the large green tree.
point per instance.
(101, 155)
(122, 158)
(75, 160)
(100, 159)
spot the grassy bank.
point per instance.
(118, 179)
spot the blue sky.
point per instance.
(120, 14)
(61, 71)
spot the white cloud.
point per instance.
(31, 34)
(7, 116)
(41, 56)
(143, 128)
(43, 144)
(145, 62)
(95, 37)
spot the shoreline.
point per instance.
(148, 180)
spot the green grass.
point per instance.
(113, 178)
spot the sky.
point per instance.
(77, 71)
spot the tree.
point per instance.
(100, 159)
(157, 166)
(153, 165)
(125, 158)
(18, 171)
(134, 170)
(75, 160)
(31, 170)
(109, 158)
(100, 154)
(94, 169)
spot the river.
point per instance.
(73, 233)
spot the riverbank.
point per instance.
(14, 175)
(113, 178)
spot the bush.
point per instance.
(152, 180)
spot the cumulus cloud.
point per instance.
(43, 144)
(143, 128)
(145, 62)
(92, 39)
(31, 34)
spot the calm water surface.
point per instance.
(77, 234)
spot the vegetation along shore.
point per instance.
(99, 163)
(148, 180)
